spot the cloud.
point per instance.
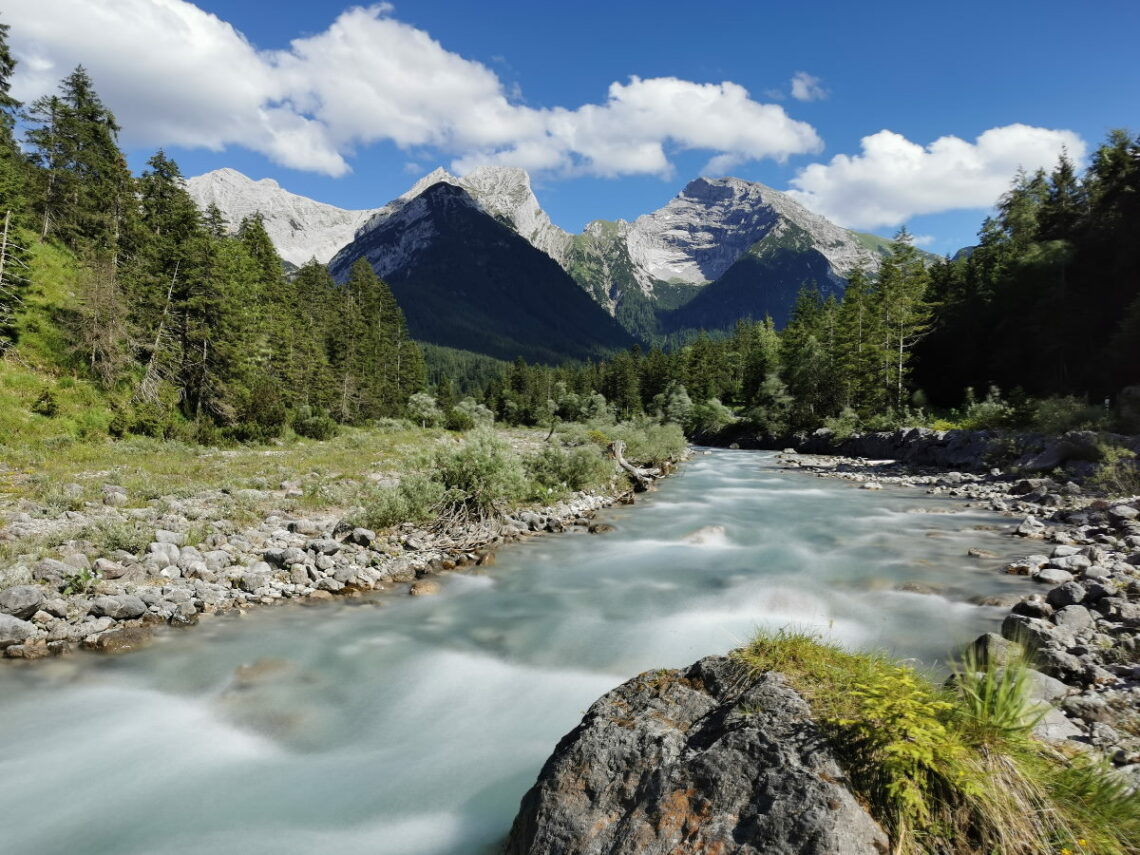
(894, 179)
(805, 87)
(177, 75)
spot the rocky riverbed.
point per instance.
(112, 601)
(1082, 626)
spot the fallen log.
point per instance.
(642, 478)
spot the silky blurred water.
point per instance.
(393, 725)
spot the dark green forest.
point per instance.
(1036, 326)
(187, 329)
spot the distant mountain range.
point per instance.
(477, 263)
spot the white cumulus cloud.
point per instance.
(806, 87)
(177, 75)
(894, 179)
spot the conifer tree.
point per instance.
(904, 314)
(13, 252)
(86, 196)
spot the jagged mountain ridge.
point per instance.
(734, 248)
(466, 279)
(300, 228)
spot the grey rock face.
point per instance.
(705, 760)
(119, 608)
(22, 601)
(14, 631)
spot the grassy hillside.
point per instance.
(43, 393)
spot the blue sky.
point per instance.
(349, 106)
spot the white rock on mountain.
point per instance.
(504, 193)
(300, 228)
(710, 224)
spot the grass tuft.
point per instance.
(952, 769)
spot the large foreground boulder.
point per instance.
(710, 760)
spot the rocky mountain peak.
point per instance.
(300, 228)
(504, 192)
(712, 222)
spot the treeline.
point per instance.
(1047, 308)
(1049, 300)
(190, 330)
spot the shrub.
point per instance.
(422, 408)
(459, 420)
(991, 413)
(46, 405)
(844, 425)
(1064, 413)
(709, 417)
(415, 499)
(1117, 473)
(468, 414)
(650, 443)
(577, 468)
(951, 770)
(130, 537)
(314, 424)
(479, 476)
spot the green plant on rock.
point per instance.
(952, 770)
(903, 746)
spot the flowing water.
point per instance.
(398, 726)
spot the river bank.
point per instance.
(1081, 628)
(199, 563)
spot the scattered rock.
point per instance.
(119, 608)
(120, 640)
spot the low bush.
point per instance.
(709, 417)
(1117, 472)
(314, 424)
(415, 500)
(845, 425)
(952, 770)
(649, 443)
(991, 413)
(578, 468)
(1057, 415)
(479, 476)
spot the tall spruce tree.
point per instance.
(86, 196)
(13, 250)
(904, 314)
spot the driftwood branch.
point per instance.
(642, 478)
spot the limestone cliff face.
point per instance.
(708, 760)
(300, 228)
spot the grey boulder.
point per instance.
(22, 601)
(711, 759)
(14, 631)
(119, 608)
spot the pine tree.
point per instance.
(904, 315)
(856, 332)
(13, 253)
(1064, 204)
(12, 164)
(86, 196)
